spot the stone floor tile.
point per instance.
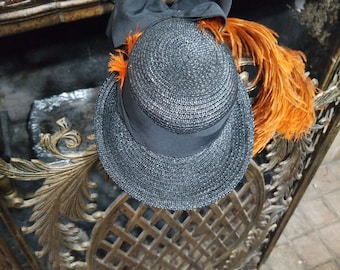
(338, 262)
(297, 225)
(282, 240)
(334, 151)
(300, 247)
(325, 178)
(284, 257)
(331, 237)
(331, 265)
(335, 168)
(311, 249)
(317, 212)
(265, 267)
(312, 192)
(333, 199)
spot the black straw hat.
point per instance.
(179, 135)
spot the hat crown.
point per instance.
(181, 78)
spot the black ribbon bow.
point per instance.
(129, 14)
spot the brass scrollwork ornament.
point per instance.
(63, 198)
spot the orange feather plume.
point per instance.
(284, 104)
(130, 42)
(118, 64)
(215, 26)
(119, 61)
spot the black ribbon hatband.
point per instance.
(146, 132)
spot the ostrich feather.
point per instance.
(284, 104)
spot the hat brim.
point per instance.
(169, 182)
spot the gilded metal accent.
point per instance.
(9, 192)
(14, 251)
(64, 196)
(8, 260)
(127, 233)
(332, 94)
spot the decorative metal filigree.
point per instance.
(8, 261)
(63, 196)
(286, 162)
(65, 200)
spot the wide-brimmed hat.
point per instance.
(179, 134)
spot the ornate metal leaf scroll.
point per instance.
(63, 196)
(230, 234)
(283, 166)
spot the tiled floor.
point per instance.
(311, 239)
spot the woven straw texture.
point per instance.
(182, 78)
